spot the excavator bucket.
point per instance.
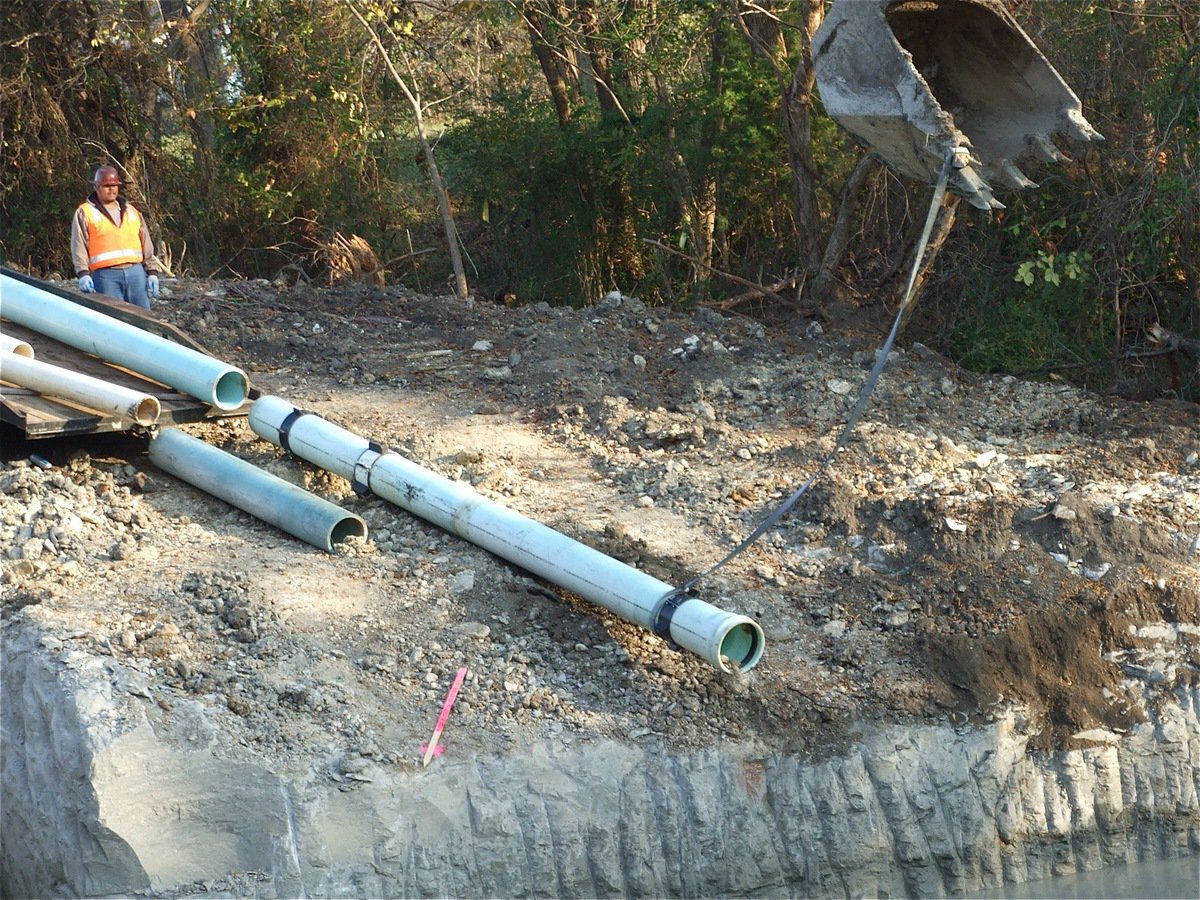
(916, 79)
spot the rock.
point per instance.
(462, 582)
(1063, 513)
(474, 630)
(17, 571)
(835, 628)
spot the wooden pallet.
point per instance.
(39, 416)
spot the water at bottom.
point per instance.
(1167, 879)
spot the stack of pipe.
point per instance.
(182, 368)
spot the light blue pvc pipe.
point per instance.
(725, 640)
(237, 482)
(190, 371)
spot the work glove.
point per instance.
(152, 286)
(86, 284)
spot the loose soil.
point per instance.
(980, 541)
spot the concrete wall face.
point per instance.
(104, 796)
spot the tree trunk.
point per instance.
(839, 237)
(798, 131)
(937, 239)
(461, 289)
(548, 57)
(695, 196)
(600, 58)
(765, 33)
(191, 49)
(711, 130)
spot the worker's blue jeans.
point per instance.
(128, 283)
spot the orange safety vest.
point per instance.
(109, 244)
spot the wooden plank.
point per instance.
(40, 416)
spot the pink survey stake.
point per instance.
(432, 747)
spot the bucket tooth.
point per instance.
(915, 79)
(980, 200)
(1013, 176)
(967, 183)
(1080, 129)
(1043, 147)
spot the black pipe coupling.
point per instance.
(660, 622)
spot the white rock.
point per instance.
(462, 582)
(834, 629)
(1063, 513)
(985, 459)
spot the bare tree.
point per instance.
(435, 176)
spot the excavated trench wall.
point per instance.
(103, 799)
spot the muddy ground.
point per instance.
(980, 541)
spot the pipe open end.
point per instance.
(742, 646)
(349, 527)
(147, 411)
(231, 390)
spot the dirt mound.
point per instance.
(980, 541)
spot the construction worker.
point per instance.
(110, 244)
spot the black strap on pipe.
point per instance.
(286, 426)
(956, 157)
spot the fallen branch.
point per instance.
(771, 291)
(403, 256)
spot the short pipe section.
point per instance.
(725, 640)
(9, 344)
(67, 384)
(265, 496)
